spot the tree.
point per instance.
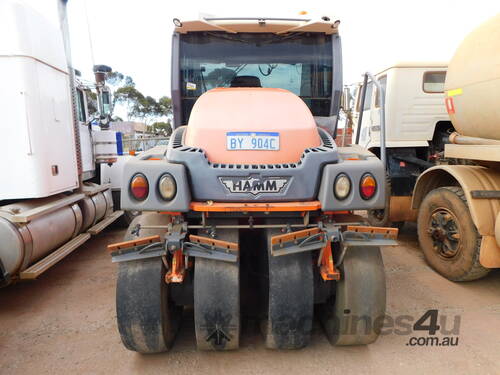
(163, 128)
(118, 79)
(138, 106)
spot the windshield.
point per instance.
(300, 63)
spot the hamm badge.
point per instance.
(254, 184)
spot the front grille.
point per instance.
(326, 146)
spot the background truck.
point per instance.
(51, 200)
(249, 207)
(459, 205)
(417, 128)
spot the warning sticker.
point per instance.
(450, 107)
(190, 86)
(455, 92)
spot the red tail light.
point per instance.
(139, 187)
(367, 186)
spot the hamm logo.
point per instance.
(254, 184)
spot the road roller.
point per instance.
(249, 211)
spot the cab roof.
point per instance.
(415, 64)
(258, 25)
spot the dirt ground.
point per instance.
(65, 323)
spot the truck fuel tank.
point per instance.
(24, 243)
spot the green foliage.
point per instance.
(138, 106)
(119, 79)
(162, 128)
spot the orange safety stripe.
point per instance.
(255, 207)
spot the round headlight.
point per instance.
(367, 186)
(342, 186)
(139, 187)
(167, 187)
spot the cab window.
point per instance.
(80, 104)
(433, 82)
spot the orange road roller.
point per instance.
(249, 210)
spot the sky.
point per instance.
(133, 37)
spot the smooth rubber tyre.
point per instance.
(217, 300)
(355, 314)
(128, 216)
(290, 303)
(148, 218)
(147, 318)
(447, 235)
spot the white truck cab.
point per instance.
(53, 198)
(417, 127)
(414, 105)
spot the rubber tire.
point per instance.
(217, 297)
(460, 268)
(360, 293)
(216, 303)
(384, 221)
(148, 218)
(147, 320)
(126, 219)
(290, 300)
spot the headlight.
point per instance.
(342, 186)
(139, 187)
(367, 186)
(167, 187)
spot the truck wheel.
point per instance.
(147, 318)
(354, 315)
(380, 218)
(448, 236)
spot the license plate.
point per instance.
(252, 141)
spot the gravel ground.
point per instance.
(65, 322)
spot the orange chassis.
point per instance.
(363, 235)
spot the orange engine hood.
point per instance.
(224, 110)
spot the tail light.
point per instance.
(139, 187)
(367, 186)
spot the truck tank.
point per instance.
(25, 243)
(473, 83)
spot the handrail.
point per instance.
(381, 103)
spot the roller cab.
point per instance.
(248, 212)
